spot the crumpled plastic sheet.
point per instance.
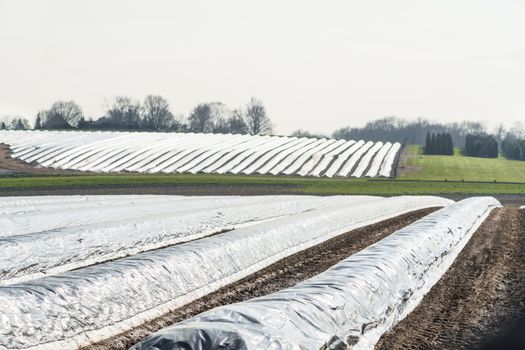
(23, 204)
(79, 307)
(28, 216)
(188, 152)
(348, 306)
(52, 241)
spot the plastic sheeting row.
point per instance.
(78, 307)
(201, 153)
(348, 306)
(49, 240)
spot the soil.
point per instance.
(283, 274)
(481, 296)
(403, 167)
(176, 189)
(10, 165)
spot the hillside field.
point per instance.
(417, 166)
(418, 174)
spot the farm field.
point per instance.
(130, 260)
(187, 254)
(417, 166)
(19, 178)
(478, 299)
(115, 152)
(308, 175)
(350, 304)
(203, 184)
(283, 274)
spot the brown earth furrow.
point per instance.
(283, 274)
(481, 296)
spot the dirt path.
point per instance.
(403, 167)
(480, 297)
(283, 274)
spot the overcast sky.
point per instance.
(315, 65)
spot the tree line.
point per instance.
(15, 124)
(439, 144)
(395, 129)
(477, 139)
(123, 113)
(513, 147)
(481, 145)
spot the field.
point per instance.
(459, 167)
(55, 256)
(177, 256)
(200, 184)
(115, 152)
(419, 174)
(138, 264)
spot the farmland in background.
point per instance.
(417, 174)
(417, 166)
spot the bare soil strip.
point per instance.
(12, 165)
(480, 297)
(402, 163)
(283, 274)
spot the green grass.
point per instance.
(427, 177)
(459, 167)
(287, 184)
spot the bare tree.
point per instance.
(256, 119)
(473, 128)
(499, 132)
(178, 124)
(123, 112)
(517, 129)
(236, 122)
(200, 118)
(19, 124)
(63, 114)
(219, 114)
(156, 114)
(209, 117)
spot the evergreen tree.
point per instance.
(440, 143)
(481, 145)
(428, 143)
(449, 148)
(38, 122)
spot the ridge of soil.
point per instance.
(480, 298)
(280, 275)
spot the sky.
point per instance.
(316, 65)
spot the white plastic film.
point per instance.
(348, 306)
(78, 307)
(46, 242)
(146, 152)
